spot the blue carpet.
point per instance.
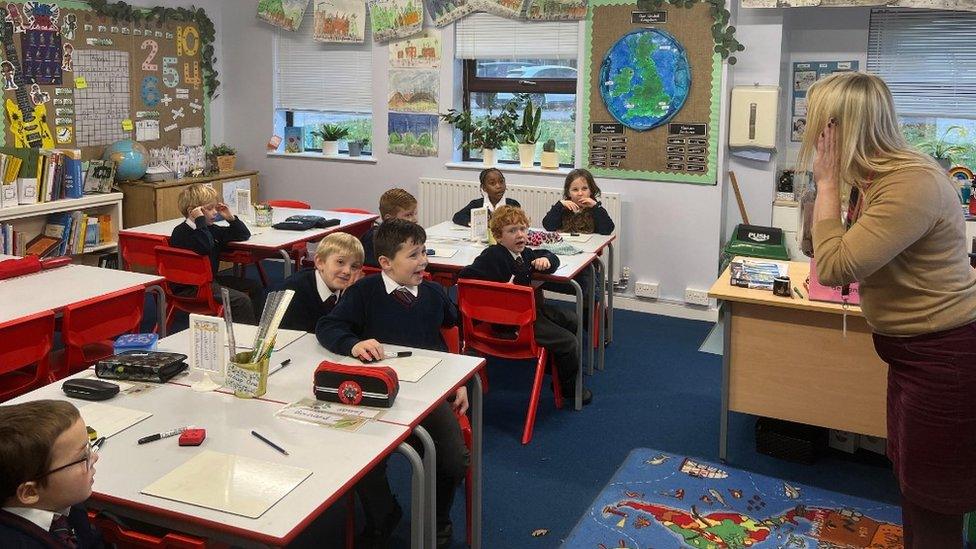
(657, 391)
(658, 499)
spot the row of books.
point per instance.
(31, 176)
(65, 233)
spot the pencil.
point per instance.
(797, 291)
(269, 443)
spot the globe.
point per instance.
(131, 159)
(645, 78)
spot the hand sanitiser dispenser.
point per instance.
(753, 118)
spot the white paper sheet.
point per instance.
(443, 251)
(228, 483)
(108, 420)
(409, 368)
(576, 238)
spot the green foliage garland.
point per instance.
(121, 11)
(724, 34)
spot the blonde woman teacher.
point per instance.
(904, 242)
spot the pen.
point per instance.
(284, 363)
(164, 434)
(797, 292)
(269, 443)
(98, 443)
(397, 354)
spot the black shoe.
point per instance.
(587, 396)
(445, 535)
(570, 393)
(378, 537)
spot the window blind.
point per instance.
(316, 76)
(927, 60)
(486, 36)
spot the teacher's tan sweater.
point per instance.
(908, 251)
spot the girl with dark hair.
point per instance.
(492, 196)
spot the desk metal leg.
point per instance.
(579, 340)
(160, 308)
(723, 425)
(430, 469)
(476, 480)
(417, 495)
(609, 294)
(590, 322)
(602, 339)
(287, 257)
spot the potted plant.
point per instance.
(944, 151)
(488, 132)
(355, 147)
(225, 156)
(365, 145)
(550, 158)
(330, 134)
(527, 133)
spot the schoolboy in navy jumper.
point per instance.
(492, 195)
(395, 203)
(510, 261)
(338, 264)
(48, 467)
(198, 203)
(399, 307)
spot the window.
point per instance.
(317, 83)
(503, 57)
(931, 73)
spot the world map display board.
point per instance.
(651, 93)
(74, 79)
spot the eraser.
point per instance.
(193, 437)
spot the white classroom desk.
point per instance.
(413, 402)
(449, 235)
(54, 289)
(337, 459)
(267, 239)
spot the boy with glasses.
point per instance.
(47, 467)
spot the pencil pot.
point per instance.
(263, 217)
(248, 379)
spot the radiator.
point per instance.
(440, 198)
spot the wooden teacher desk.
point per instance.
(787, 358)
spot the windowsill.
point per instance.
(341, 157)
(514, 168)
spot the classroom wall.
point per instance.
(673, 231)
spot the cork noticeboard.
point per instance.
(74, 79)
(681, 143)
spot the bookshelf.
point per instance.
(147, 203)
(30, 219)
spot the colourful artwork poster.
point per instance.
(285, 14)
(412, 134)
(445, 12)
(395, 19)
(340, 21)
(511, 9)
(555, 10)
(413, 90)
(420, 52)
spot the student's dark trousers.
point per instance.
(452, 464)
(555, 329)
(246, 297)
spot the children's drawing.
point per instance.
(412, 134)
(340, 21)
(511, 9)
(422, 51)
(445, 12)
(413, 90)
(285, 14)
(393, 19)
(42, 16)
(555, 10)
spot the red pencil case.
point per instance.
(354, 384)
(18, 267)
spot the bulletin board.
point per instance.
(651, 92)
(74, 79)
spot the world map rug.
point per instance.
(658, 500)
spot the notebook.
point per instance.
(819, 292)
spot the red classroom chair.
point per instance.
(25, 344)
(139, 250)
(246, 257)
(188, 268)
(87, 328)
(297, 204)
(484, 305)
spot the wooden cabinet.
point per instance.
(151, 202)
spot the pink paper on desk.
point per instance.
(819, 292)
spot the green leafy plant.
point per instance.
(120, 11)
(222, 150)
(331, 132)
(527, 131)
(942, 148)
(724, 34)
(549, 146)
(490, 131)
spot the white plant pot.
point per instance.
(549, 160)
(330, 148)
(526, 155)
(488, 156)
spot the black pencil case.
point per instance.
(89, 389)
(152, 366)
(305, 222)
